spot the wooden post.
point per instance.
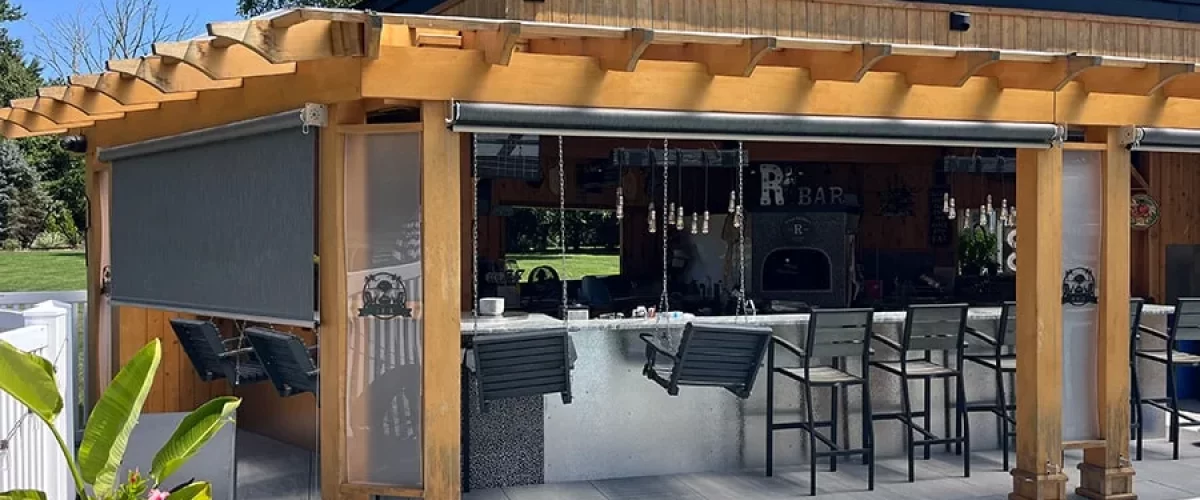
(332, 279)
(1106, 473)
(99, 311)
(441, 220)
(1038, 475)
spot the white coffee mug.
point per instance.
(491, 306)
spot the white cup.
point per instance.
(491, 306)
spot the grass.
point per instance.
(578, 264)
(42, 271)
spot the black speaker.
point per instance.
(74, 143)
(960, 21)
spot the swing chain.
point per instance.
(475, 231)
(664, 299)
(562, 225)
(740, 218)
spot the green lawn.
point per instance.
(42, 271)
(578, 264)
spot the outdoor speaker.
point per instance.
(960, 21)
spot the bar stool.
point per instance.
(1001, 360)
(1135, 391)
(836, 334)
(928, 328)
(1186, 327)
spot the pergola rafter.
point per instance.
(128, 90)
(36, 123)
(169, 78)
(59, 112)
(220, 63)
(90, 101)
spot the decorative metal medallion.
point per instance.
(1079, 287)
(1143, 211)
(384, 297)
(796, 229)
(898, 200)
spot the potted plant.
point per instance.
(977, 251)
(29, 378)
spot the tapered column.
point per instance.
(1038, 475)
(1106, 473)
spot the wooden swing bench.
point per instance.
(290, 365)
(215, 358)
(726, 356)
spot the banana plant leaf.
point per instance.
(108, 428)
(29, 378)
(194, 491)
(192, 434)
(23, 495)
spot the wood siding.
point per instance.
(1174, 180)
(863, 20)
(177, 387)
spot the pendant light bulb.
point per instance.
(620, 203)
(732, 201)
(946, 203)
(737, 217)
(695, 223)
(679, 223)
(704, 228)
(650, 219)
(967, 219)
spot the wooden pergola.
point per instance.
(357, 63)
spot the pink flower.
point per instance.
(158, 495)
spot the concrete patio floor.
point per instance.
(940, 478)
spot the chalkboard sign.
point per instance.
(940, 227)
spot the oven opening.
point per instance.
(797, 270)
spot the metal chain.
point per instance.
(664, 299)
(475, 232)
(741, 225)
(562, 225)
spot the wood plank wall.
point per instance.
(176, 387)
(1174, 180)
(865, 20)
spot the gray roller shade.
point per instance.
(219, 221)
(1161, 139)
(612, 122)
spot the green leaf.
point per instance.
(29, 378)
(22, 495)
(194, 491)
(107, 433)
(192, 434)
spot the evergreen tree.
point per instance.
(18, 77)
(16, 177)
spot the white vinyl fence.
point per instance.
(75, 302)
(30, 457)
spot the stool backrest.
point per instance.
(286, 360)
(1006, 328)
(523, 364)
(721, 355)
(201, 342)
(1135, 317)
(1187, 320)
(934, 327)
(838, 333)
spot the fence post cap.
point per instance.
(47, 309)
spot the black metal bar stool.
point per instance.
(1001, 359)
(1185, 327)
(1135, 391)
(928, 328)
(835, 334)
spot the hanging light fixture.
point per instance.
(620, 203)
(704, 227)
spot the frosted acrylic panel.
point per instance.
(383, 370)
(1081, 248)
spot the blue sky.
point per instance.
(41, 12)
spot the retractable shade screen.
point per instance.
(218, 221)
(1161, 139)
(641, 123)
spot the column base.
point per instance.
(1033, 486)
(1099, 483)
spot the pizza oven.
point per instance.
(803, 257)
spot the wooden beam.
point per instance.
(1038, 474)
(843, 63)
(59, 112)
(169, 78)
(621, 54)
(128, 91)
(302, 42)
(731, 60)
(1038, 71)
(497, 44)
(442, 266)
(12, 130)
(1114, 76)
(1107, 472)
(951, 69)
(90, 101)
(221, 63)
(34, 122)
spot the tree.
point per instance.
(16, 177)
(250, 8)
(82, 42)
(18, 77)
(27, 218)
(62, 174)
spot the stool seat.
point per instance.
(1179, 358)
(1008, 362)
(821, 375)
(917, 369)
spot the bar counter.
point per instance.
(621, 424)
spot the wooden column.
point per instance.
(441, 223)
(331, 231)
(1106, 473)
(1038, 475)
(99, 311)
